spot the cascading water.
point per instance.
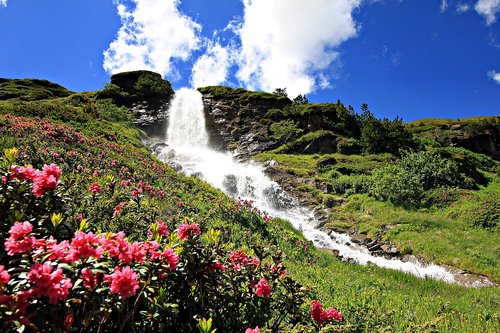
(187, 146)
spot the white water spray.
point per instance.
(187, 146)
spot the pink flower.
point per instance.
(123, 282)
(19, 246)
(263, 288)
(217, 266)
(239, 257)
(186, 230)
(4, 275)
(85, 245)
(253, 330)
(321, 316)
(19, 240)
(47, 282)
(172, 258)
(255, 261)
(89, 280)
(60, 251)
(23, 173)
(118, 247)
(94, 188)
(162, 229)
(68, 321)
(20, 230)
(46, 180)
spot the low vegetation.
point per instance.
(99, 235)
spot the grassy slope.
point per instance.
(443, 235)
(372, 299)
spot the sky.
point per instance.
(409, 58)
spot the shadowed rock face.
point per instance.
(145, 93)
(239, 123)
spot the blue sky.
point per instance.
(411, 58)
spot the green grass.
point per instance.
(398, 301)
(444, 236)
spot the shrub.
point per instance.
(384, 136)
(58, 271)
(351, 184)
(488, 214)
(407, 180)
(285, 130)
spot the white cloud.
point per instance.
(463, 7)
(495, 76)
(3, 3)
(489, 9)
(292, 43)
(212, 68)
(444, 6)
(152, 35)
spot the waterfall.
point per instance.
(187, 147)
(186, 127)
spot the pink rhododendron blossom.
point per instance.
(19, 230)
(4, 275)
(162, 228)
(85, 245)
(253, 330)
(277, 269)
(123, 282)
(239, 257)
(321, 316)
(217, 266)
(60, 251)
(118, 247)
(255, 261)
(263, 288)
(47, 282)
(24, 173)
(46, 180)
(186, 230)
(19, 240)
(89, 280)
(171, 258)
(94, 188)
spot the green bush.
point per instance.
(410, 177)
(384, 136)
(488, 214)
(285, 130)
(351, 184)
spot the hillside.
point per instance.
(390, 185)
(218, 258)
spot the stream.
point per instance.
(187, 148)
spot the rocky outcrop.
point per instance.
(236, 118)
(145, 93)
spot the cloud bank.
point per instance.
(277, 43)
(212, 68)
(153, 34)
(3, 3)
(291, 43)
(488, 9)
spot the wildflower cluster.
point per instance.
(94, 241)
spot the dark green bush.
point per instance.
(410, 177)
